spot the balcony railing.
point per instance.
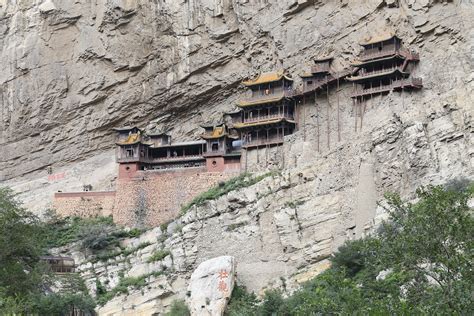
(263, 142)
(320, 68)
(174, 158)
(371, 54)
(397, 84)
(364, 74)
(128, 159)
(268, 117)
(212, 153)
(269, 94)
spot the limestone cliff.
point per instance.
(72, 70)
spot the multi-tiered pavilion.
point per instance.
(384, 65)
(267, 112)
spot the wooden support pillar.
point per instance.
(327, 114)
(317, 119)
(338, 116)
(304, 118)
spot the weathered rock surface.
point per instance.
(71, 70)
(211, 285)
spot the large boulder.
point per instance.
(211, 286)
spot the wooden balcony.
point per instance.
(317, 85)
(272, 141)
(320, 68)
(270, 117)
(375, 53)
(414, 83)
(268, 95)
(174, 159)
(128, 159)
(214, 153)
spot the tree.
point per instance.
(433, 241)
(25, 280)
(425, 251)
(21, 271)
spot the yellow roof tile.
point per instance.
(378, 38)
(244, 103)
(263, 122)
(267, 77)
(218, 132)
(132, 139)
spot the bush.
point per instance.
(125, 283)
(242, 303)
(242, 181)
(179, 308)
(159, 255)
(426, 248)
(95, 234)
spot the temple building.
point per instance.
(383, 66)
(59, 265)
(222, 149)
(268, 111)
(155, 151)
(320, 77)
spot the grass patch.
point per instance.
(123, 287)
(232, 227)
(112, 254)
(294, 204)
(178, 308)
(242, 181)
(95, 234)
(159, 255)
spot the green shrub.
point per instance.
(428, 242)
(95, 234)
(164, 227)
(159, 255)
(178, 308)
(232, 227)
(104, 256)
(125, 283)
(242, 303)
(242, 181)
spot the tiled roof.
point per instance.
(378, 38)
(244, 103)
(267, 77)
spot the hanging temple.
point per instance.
(157, 176)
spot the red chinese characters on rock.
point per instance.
(57, 176)
(223, 275)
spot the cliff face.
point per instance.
(72, 70)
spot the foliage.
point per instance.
(104, 256)
(425, 251)
(242, 303)
(159, 255)
(242, 181)
(179, 308)
(234, 226)
(24, 279)
(20, 268)
(125, 283)
(95, 234)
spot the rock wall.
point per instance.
(72, 70)
(156, 197)
(84, 204)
